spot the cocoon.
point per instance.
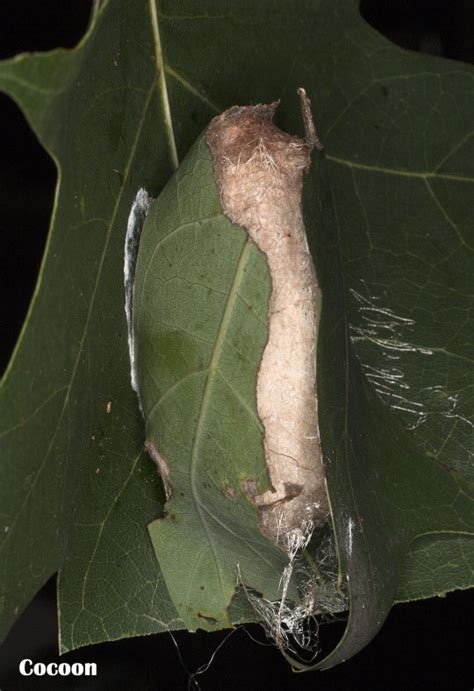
(223, 308)
(259, 171)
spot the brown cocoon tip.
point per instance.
(259, 173)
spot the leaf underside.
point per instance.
(389, 216)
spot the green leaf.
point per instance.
(200, 319)
(395, 260)
(78, 490)
(387, 495)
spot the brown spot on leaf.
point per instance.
(229, 491)
(250, 488)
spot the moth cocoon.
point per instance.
(259, 173)
(222, 305)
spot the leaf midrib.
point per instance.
(213, 369)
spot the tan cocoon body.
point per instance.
(259, 171)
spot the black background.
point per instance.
(425, 645)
